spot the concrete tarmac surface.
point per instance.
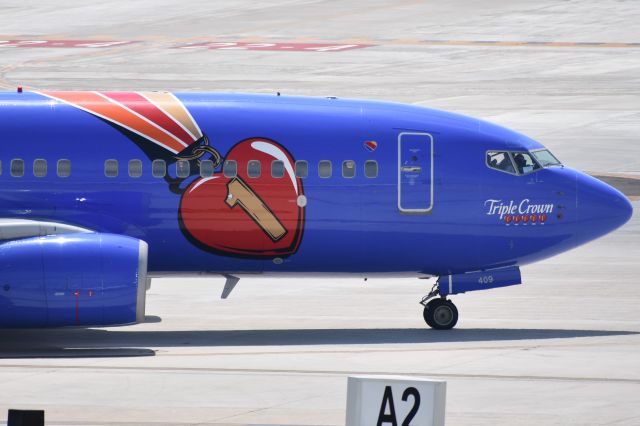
(562, 349)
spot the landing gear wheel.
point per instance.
(440, 314)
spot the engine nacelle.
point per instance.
(77, 279)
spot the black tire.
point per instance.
(440, 314)
(427, 316)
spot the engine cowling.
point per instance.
(76, 279)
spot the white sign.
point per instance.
(395, 401)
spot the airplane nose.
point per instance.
(601, 207)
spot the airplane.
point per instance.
(102, 190)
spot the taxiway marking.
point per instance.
(325, 373)
(274, 46)
(19, 43)
(306, 44)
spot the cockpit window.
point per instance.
(524, 162)
(521, 162)
(500, 160)
(546, 158)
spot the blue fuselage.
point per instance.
(455, 214)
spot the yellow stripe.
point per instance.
(175, 109)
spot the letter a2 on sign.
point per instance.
(395, 401)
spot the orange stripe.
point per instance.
(98, 105)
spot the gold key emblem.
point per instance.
(238, 192)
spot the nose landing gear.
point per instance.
(439, 313)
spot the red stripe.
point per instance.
(148, 110)
(77, 294)
(106, 108)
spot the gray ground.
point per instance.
(563, 349)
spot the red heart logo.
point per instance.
(256, 216)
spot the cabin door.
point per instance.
(415, 172)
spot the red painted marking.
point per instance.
(204, 206)
(290, 47)
(516, 219)
(508, 218)
(101, 106)
(371, 145)
(533, 218)
(543, 218)
(92, 44)
(77, 295)
(148, 110)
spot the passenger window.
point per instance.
(500, 160)
(135, 168)
(348, 169)
(253, 169)
(64, 168)
(324, 169)
(17, 167)
(111, 168)
(230, 169)
(277, 169)
(182, 168)
(302, 169)
(206, 168)
(158, 168)
(371, 168)
(40, 167)
(524, 162)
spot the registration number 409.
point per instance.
(485, 279)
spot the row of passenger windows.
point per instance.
(40, 168)
(229, 168)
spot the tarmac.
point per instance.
(562, 349)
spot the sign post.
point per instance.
(395, 401)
